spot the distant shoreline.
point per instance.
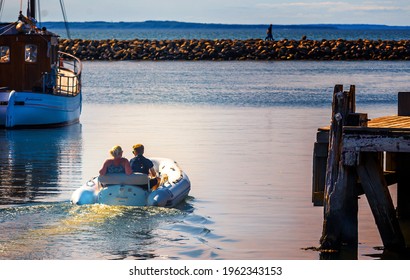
(252, 49)
(190, 25)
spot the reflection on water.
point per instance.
(39, 171)
(102, 232)
(38, 163)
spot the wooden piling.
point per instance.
(403, 159)
(320, 152)
(339, 225)
(403, 106)
(363, 157)
(403, 185)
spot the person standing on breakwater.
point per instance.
(269, 36)
(117, 164)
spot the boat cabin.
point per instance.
(27, 59)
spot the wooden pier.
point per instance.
(356, 156)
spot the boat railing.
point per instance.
(66, 80)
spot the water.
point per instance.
(240, 34)
(250, 84)
(242, 131)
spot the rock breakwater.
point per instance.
(252, 49)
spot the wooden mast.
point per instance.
(32, 13)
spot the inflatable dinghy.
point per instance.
(134, 189)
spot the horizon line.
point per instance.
(232, 24)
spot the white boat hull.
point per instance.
(21, 109)
(120, 189)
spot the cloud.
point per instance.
(393, 12)
(339, 6)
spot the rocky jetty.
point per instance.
(252, 49)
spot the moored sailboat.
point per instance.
(39, 86)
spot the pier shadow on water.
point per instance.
(35, 164)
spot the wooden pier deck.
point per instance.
(356, 156)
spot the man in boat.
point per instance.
(141, 164)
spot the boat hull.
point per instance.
(31, 109)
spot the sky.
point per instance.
(393, 12)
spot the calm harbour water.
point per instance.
(242, 131)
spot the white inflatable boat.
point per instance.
(134, 189)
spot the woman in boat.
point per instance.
(117, 164)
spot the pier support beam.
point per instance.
(320, 152)
(381, 204)
(403, 162)
(403, 185)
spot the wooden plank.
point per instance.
(317, 198)
(320, 153)
(340, 225)
(319, 172)
(350, 232)
(378, 196)
(392, 142)
(357, 119)
(386, 122)
(351, 106)
(322, 136)
(390, 121)
(391, 159)
(403, 185)
(350, 158)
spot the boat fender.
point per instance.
(10, 109)
(159, 197)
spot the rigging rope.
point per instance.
(1, 8)
(65, 19)
(39, 13)
(9, 26)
